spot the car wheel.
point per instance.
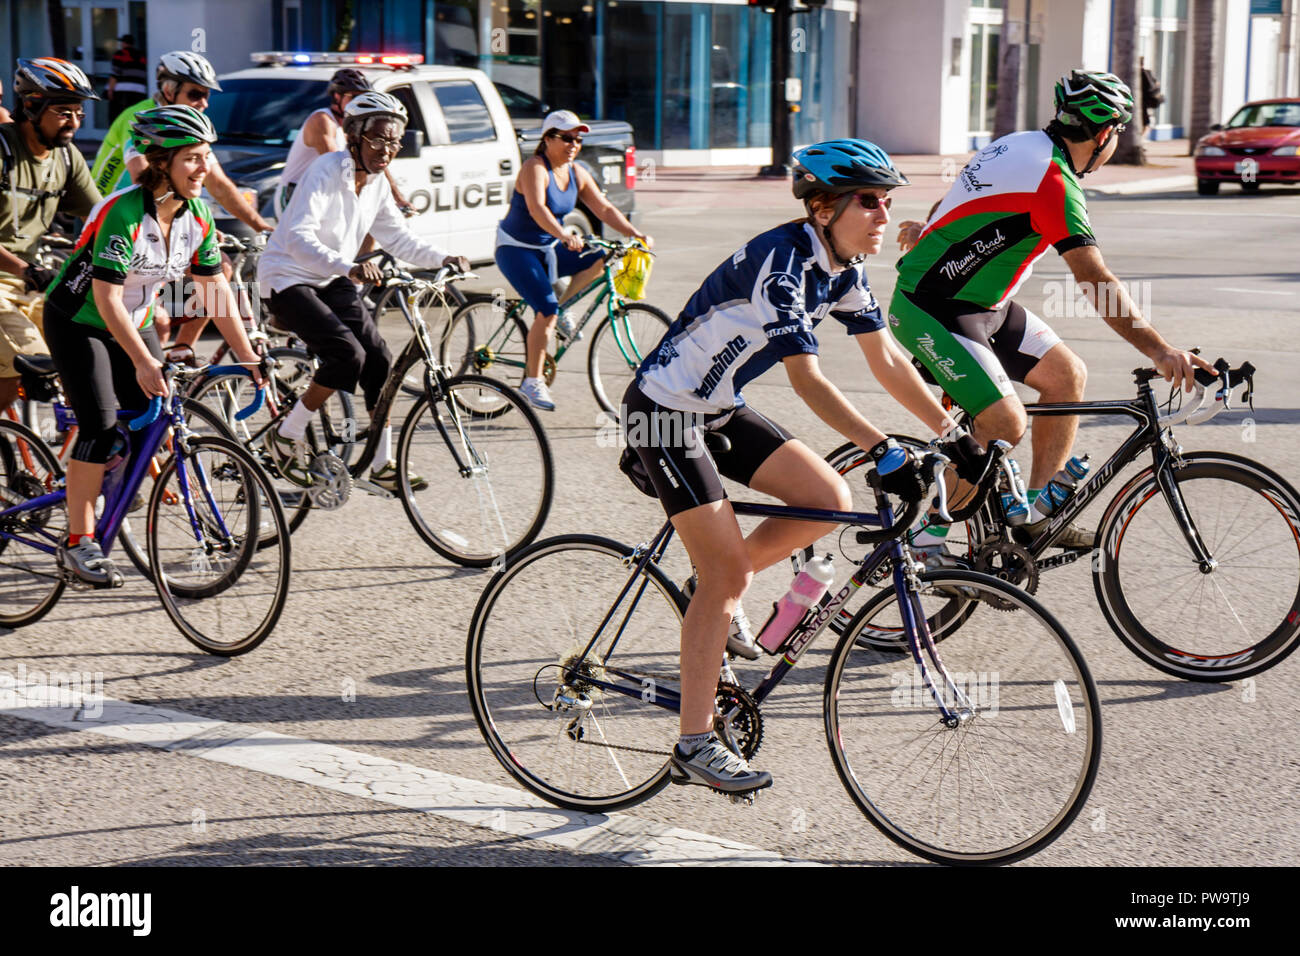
(1207, 187)
(577, 223)
(1250, 187)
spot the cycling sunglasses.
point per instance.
(868, 201)
(197, 96)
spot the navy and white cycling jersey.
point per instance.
(757, 308)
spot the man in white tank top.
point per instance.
(322, 133)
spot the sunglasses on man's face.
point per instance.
(69, 115)
(868, 201)
(570, 139)
(197, 96)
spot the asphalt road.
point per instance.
(369, 655)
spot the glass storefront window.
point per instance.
(676, 56)
(818, 57)
(985, 43)
(455, 32)
(632, 65)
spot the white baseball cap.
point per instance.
(565, 120)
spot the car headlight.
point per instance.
(1287, 151)
(1210, 151)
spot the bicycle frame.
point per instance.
(119, 492)
(813, 624)
(1148, 434)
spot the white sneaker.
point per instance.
(538, 395)
(564, 325)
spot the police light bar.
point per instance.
(287, 58)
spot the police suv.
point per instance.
(459, 157)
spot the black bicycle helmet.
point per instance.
(349, 80)
(46, 80)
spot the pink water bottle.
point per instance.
(808, 587)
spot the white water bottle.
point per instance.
(805, 591)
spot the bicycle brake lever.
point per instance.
(938, 464)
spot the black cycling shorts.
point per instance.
(674, 464)
(97, 377)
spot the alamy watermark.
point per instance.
(63, 689)
(665, 428)
(978, 689)
(1068, 299)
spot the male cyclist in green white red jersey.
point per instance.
(953, 309)
(99, 309)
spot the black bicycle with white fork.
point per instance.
(475, 486)
(1196, 564)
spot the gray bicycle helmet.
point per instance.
(183, 66)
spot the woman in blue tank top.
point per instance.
(533, 250)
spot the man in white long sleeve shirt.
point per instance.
(308, 268)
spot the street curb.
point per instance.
(1160, 185)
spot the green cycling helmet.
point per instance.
(171, 127)
(1093, 101)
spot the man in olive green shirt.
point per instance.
(41, 173)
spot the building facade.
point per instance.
(949, 51)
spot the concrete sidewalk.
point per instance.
(703, 187)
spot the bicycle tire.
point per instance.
(481, 339)
(574, 579)
(30, 579)
(1199, 632)
(1033, 736)
(527, 482)
(252, 587)
(609, 371)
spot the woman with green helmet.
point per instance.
(99, 310)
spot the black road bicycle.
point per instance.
(1196, 564)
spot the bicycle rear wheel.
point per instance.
(30, 582)
(220, 586)
(618, 347)
(490, 479)
(1239, 618)
(545, 709)
(1010, 777)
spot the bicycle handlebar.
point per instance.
(1196, 411)
(171, 370)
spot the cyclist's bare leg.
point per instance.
(580, 281)
(84, 481)
(315, 396)
(543, 325)
(716, 547)
(801, 479)
(1059, 376)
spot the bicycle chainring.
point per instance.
(737, 720)
(548, 369)
(331, 483)
(1011, 563)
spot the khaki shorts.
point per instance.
(21, 320)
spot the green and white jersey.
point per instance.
(109, 169)
(122, 243)
(1014, 199)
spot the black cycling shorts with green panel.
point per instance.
(1013, 201)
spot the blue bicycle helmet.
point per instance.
(843, 166)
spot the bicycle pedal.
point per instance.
(742, 799)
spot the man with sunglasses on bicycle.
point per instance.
(953, 307)
(309, 271)
(184, 79)
(756, 309)
(41, 174)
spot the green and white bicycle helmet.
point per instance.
(1092, 101)
(171, 127)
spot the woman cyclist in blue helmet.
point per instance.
(760, 307)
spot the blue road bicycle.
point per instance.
(982, 755)
(207, 508)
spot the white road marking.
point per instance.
(1225, 288)
(505, 810)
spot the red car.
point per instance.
(1260, 144)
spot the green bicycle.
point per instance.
(490, 338)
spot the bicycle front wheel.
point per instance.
(220, 586)
(1012, 773)
(618, 347)
(30, 582)
(490, 478)
(1220, 623)
(585, 731)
